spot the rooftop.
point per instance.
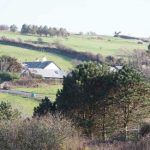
(38, 64)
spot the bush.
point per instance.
(20, 40)
(9, 64)
(45, 107)
(6, 76)
(7, 113)
(40, 40)
(145, 129)
(48, 133)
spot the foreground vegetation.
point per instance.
(55, 133)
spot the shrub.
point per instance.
(48, 133)
(9, 64)
(20, 40)
(45, 107)
(40, 40)
(6, 76)
(145, 129)
(7, 113)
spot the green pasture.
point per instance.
(45, 90)
(105, 45)
(24, 105)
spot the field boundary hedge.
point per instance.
(60, 50)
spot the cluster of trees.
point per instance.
(38, 30)
(43, 30)
(12, 28)
(9, 64)
(101, 102)
(9, 67)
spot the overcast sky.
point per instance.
(132, 17)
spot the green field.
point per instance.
(46, 90)
(30, 55)
(24, 105)
(105, 45)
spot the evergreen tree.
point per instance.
(101, 101)
(45, 107)
(13, 28)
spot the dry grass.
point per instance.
(48, 133)
(55, 133)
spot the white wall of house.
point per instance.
(52, 66)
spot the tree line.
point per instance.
(43, 30)
(38, 30)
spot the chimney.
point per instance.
(44, 59)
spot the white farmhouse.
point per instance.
(47, 69)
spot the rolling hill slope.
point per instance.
(105, 45)
(23, 54)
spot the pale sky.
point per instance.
(132, 17)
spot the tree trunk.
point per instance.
(126, 132)
(103, 127)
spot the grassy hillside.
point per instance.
(24, 105)
(29, 55)
(105, 45)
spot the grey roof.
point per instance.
(38, 64)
